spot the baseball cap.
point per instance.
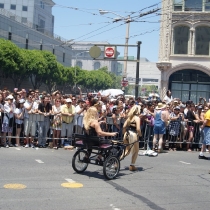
(177, 108)
(21, 101)
(68, 100)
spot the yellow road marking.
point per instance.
(15, 186)
(72, 185)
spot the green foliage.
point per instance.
(41, 67)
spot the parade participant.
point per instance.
(161, 119)
(206, 131)
(56, 122)
(8, 120)
(132, 132)
(68, 112)
(45, 109)
(19, 117)
(29, 125)
(92, 128)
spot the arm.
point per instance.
(97, 127)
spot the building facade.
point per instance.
(82, 58)
(184, 52)
(37, 12)
(149, 74)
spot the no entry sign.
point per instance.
(109, 52)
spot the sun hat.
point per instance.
(160, 106)
(182, 106)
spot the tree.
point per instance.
(11, 62)
(52, 74)
(35, 66)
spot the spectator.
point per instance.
(68, 112)
(57, 122)
(19, 117)
(45, 109)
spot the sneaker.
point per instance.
(27, 146)
(7, 146)
(207, 150)
(132, 168)
(32, 146)
(10, 145)
(202, 157)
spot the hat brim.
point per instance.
(158, 108)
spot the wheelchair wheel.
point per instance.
(77, 161)
(111, 167)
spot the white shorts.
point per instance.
(67, 129)
(29, 127)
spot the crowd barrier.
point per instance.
(146, 141)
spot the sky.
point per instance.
(80, 20)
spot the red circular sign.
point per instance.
(109, 52)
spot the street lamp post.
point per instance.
(75, 64)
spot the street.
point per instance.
(173, 180)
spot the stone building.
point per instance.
(184, 51)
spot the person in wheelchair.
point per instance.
(92, 128)
(132, 132)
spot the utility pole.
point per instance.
(137, 70)
(126, 48)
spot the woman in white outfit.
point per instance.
(57, 121)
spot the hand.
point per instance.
(69, 115)
(115, 133)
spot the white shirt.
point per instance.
(7, 112)
(27, 104)
(78, 117)
(18, 111)
(167, 99)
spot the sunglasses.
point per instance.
(73, 99)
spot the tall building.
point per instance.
(184, 51)
(37, 12)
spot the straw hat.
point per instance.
(160, 106)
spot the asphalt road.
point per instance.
(174, 180)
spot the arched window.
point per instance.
(97, 65)
(202, 39)
(79, 63)
(181, 38)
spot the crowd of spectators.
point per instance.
(37, 119)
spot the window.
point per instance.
(24, 20)
(97, 65)
(41, 27)
(64, 56)
(1, 6)
(79, 63)
(13, 6)
(193, 5)
(42, 4)
(25, 8)
(178, 5)
(207, 5)
(202, 39)
(181, 37)
(149, 80)
(9, 36)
